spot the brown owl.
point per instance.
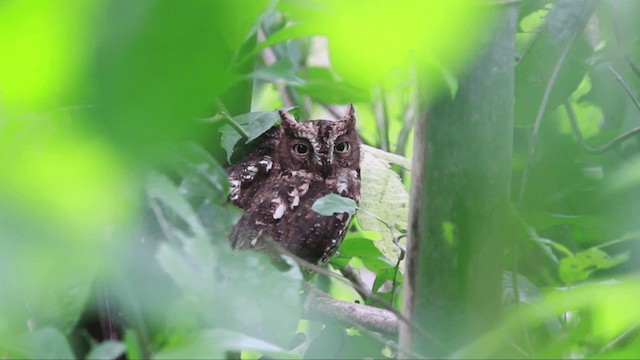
(277, 183)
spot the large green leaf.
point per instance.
(384, 202)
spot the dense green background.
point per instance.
(116, 121)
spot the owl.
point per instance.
(295, 164)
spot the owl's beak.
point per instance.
(325, 170)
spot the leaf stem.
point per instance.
(626, 237)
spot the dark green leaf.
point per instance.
(254, 123)
(365, 250)
(334, 203)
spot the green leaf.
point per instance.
(106, 350)
(47, 343)
(583, 264)
(384, 201)
(203, 178)
(334, 203)
(364, 249)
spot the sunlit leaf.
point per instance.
(580, 266)
(383, 196)
(407, 30)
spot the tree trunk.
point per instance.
(460, 193)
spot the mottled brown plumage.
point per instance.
(277, 183)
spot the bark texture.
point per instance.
(460, 200)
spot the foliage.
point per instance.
(113, 193)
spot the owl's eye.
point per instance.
(300, 149)
(342, 147)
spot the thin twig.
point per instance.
(541, 111)
(625, 335)
(600, 149)
(403, 251)
(626, 87)
(382, 120)
(350, 274)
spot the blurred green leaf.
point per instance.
(282, 69)
(133, 346)
(160, 188)
(203, 178)
(107, 350)
(334, 203)
(322, 85)
(536, 71)
(408, 29)
(46, 343)
(147, 81)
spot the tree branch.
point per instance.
(626, 87)
(320, 306)
(350, 274)
(601, 149)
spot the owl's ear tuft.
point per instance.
(287, 119)
(350, 116)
